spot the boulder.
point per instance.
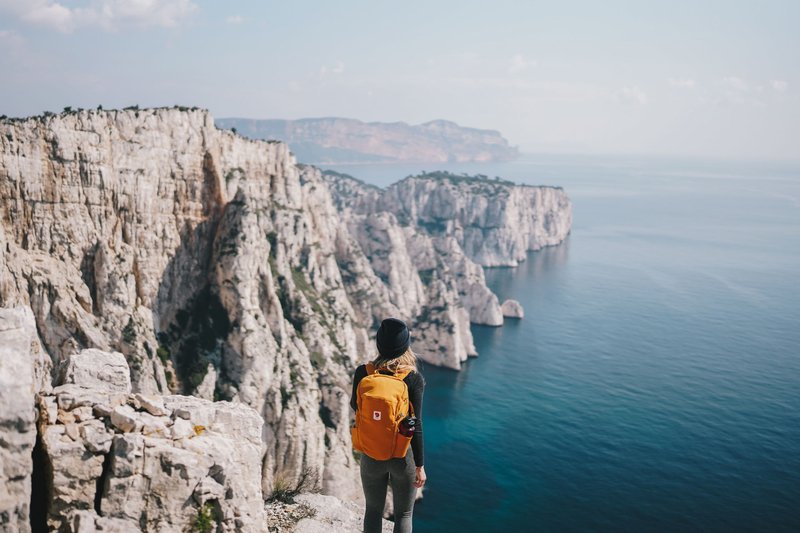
(512, 309)
(98, 370)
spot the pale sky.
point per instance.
(712, 78)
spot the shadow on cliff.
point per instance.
(188, 317)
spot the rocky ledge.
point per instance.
(93, 456)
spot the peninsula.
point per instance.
(344, 140)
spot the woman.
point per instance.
(405, 474)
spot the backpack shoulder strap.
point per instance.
(400, 374)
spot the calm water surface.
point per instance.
(654, 383)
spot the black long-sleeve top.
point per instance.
(416, 388)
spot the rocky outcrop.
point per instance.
(19, 352)
(495, 222)
(512, 309)
(427, 237)
(344, 140)
(219, 268)
(112, 459)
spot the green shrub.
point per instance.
(163, 354)
(206, 519)
(129, 332)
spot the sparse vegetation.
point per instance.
(317, 359)
(196, 378)
(206, 519)
(282, 517)
(284, 490)
(163, 354)
(342, 175)
(272, 238)
(477, 179)
(129, 332)
(232, 173)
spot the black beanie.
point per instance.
(393, 338)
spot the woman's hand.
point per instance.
(421, 477)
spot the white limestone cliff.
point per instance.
(512, 309)
(454, 225)
(494, 221)
(218, 267)
(144, 462)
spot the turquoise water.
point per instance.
(654, 383)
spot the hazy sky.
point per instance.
(675, 77)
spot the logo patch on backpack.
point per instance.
(376, 415)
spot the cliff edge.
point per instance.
(221, 269)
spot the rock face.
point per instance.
(344, 140)
(108, 460)
(18, 347)
(494, 221)
(148, 242)
(427, 238)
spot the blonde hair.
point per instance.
(406, 361)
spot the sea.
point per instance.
(654, 382)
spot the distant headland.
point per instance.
(345, 140)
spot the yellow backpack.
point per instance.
(382, 404)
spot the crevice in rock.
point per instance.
(101, 482)
(212, 189)
(88, 275)
(41, 487)
(326, 415)
(217, 473)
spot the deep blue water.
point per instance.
(654, 383)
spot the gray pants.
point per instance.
(375, 475)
